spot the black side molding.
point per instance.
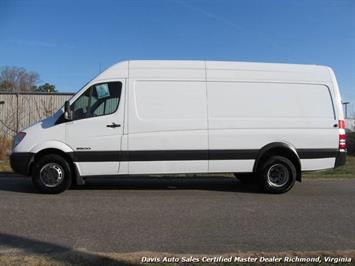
(190, 155)
(317, 153)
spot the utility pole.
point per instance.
(17, 114)
(345, 104)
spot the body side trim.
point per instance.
(184, 155)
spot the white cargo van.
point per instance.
(272, 121)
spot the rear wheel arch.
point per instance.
(279, 149)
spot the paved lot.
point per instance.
(191, 215)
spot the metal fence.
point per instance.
(19, 110)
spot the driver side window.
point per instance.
(100, 99)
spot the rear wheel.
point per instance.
(51, 174)
(277, 175)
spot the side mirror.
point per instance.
(67, 112)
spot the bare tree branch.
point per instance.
(17, 79)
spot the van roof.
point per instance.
(217, 65)
(317, 71)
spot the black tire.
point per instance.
(54, 165)
(277, 175)
(246, 178)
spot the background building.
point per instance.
(19, 110)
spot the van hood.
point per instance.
(46, 122)
(41, 132)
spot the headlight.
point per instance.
(19, 137)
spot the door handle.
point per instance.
(113, 125)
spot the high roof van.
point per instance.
(265, 122)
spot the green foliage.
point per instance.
(46, 87)
(350, 143)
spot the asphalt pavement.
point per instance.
(196, 215)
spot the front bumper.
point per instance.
(340, 159)
(20, 162)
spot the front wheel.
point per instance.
(277, 175)
(51, 174)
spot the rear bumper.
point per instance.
(20, 162)
(340, 159)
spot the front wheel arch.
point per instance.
(74, 171)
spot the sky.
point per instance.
(69, 42)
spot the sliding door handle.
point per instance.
(113, 125)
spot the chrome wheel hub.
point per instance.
(52, 175)
(278, 175)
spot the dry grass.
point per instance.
(5, 147)
(5, 166)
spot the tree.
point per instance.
(17, 79)
(46, 87)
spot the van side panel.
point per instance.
(250, 115)
(336, 95)
(167, 116)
